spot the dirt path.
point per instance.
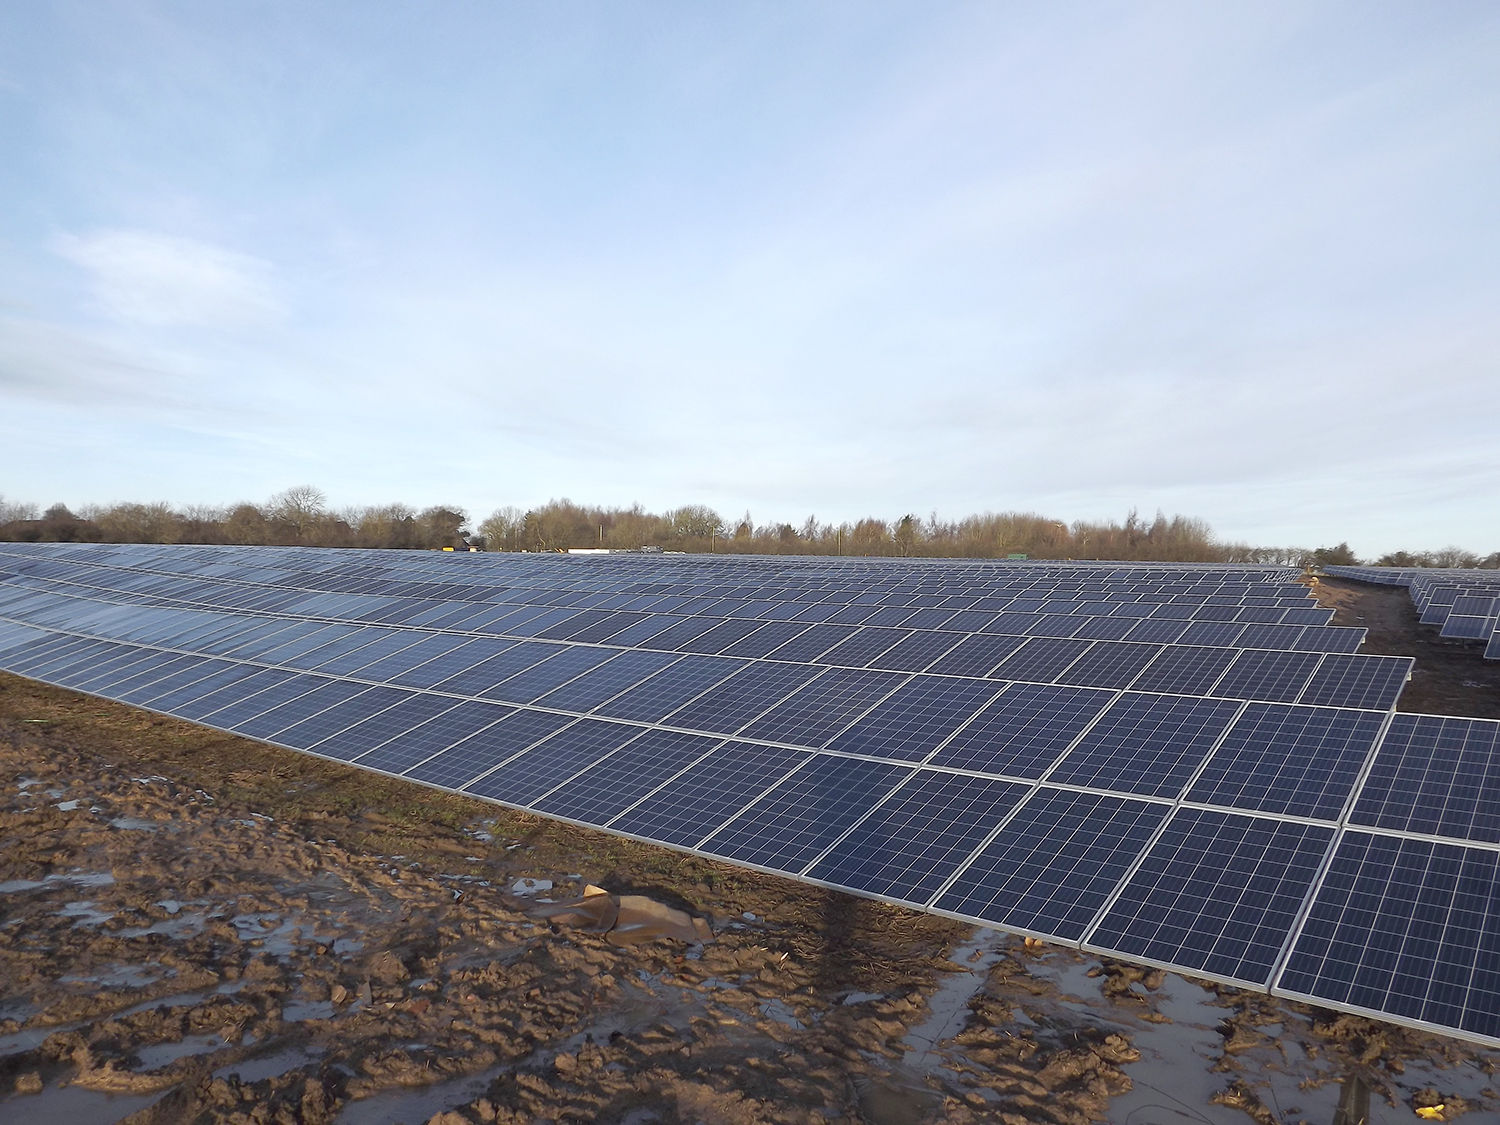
(1451, 677)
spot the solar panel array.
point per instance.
(1466, 603)
(1184, 766)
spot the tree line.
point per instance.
(301, 516)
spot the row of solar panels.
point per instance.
(486, 578)
(1342, 856)
(485, 662)
(1466, 603)
(613, 623)
(573, 590)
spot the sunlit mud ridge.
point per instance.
(194, 928)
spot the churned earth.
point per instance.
(196, 928)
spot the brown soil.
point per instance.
(1451, 677)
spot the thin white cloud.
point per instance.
(162, 281)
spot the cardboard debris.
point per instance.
(625, 919)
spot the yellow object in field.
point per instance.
(1430, 1112)
(447, 548)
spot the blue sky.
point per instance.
(1235, 261)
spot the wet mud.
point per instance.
(199, 929)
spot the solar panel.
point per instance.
(1149, 761)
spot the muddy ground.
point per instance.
(198, 928)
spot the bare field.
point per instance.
(196, 928)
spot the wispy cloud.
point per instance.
(162, 281)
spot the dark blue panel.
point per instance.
(643, 630)
(420, 743)
(379, 644)
(324, 694)
(1332, 638)
(219, 674)
(787, 828)
(669, 689)
(1147, 744)
(1217, 893)
(815, 641)
(185, 672)
(537, 625)
(976, 656)
(909, 846)
(863, 647)
(289, 686)
(693, 804)
(914, 719)
(1157, 632)
(354, 640)
(460, 660)
(1040, 660)
(404, 716)
(585, 620)
(608, 680)
(1185, 670)
(1408, 928)
(824, 707)
(554, 672)
(547, 765)
(478, 678)
(1435, 775)
(341, 715)
(769, 637)
(720, 637)
(601, 628)
(425, 649)
(1109, 664)
(1278, 677)
(917, 651)
(605, 790)
(748, 693)
(1222, 633)
(1106, 628)
(1023, 731)
(1054, 864)
(1057, 625)
(680, 632)
(200, 709)
(1358, 681)
(1296, 760)
(1281, 637)
(466, 760)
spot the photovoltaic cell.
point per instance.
(1185, 670)
(693, 804)
(548, 764)
(1301, 761)
(914, 719)
(1024, 730)
(754, 689)
(368, 733)
(603, 683)
(670, 688)
(1405, 928)
(787, 828)
(466, 760)
(1216, 894)
(323, 694)
(1275, 676)
(1053, 865)
(1109, 664)
(909, 846)
(1041, 659)
(1435, 775)
(555, 671)
(976, 656)
(1146, 744)
(825, 706)
(419, 743)
(1358, 681)
(605, 790)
